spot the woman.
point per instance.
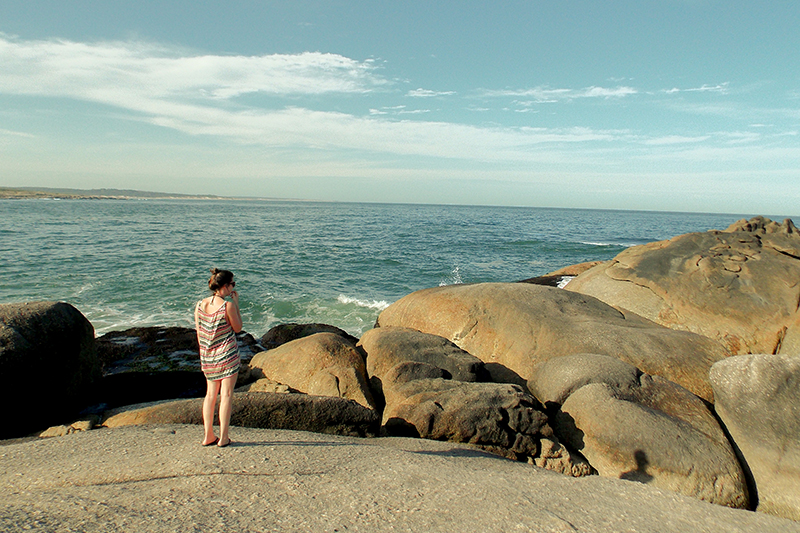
(217, 322)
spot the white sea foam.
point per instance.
(374, 304)
(564, 281)
(453, 279)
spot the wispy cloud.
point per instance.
(197, 95)
(546, 94)
(426, 93)
(112, 71)
(721, 88)
(675, 139)
(10, 133)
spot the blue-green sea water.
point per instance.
(126, 263)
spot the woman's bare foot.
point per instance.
(210, 442)
(223, 444)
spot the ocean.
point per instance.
(126, 263)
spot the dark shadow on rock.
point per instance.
(567, 431)
(462, 452)
(139, 387)
(547, 281)
(640, 473)
(398, 427)
(497, 373)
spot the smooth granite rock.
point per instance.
(323, 364)
(48, 363)
(638, 427)
(740, 286)
(152, 479)
(758, 400)
(519, 325)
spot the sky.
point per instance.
(673, 105)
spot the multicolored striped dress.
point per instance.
(219, 351)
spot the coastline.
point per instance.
(45, 193)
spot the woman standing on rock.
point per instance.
(217, 322)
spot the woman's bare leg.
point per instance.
(225, 408)
(209, 405)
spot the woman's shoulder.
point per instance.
(207, 306)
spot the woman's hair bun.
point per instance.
(219, 278)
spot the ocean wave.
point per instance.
(374, 304)
(608, 244)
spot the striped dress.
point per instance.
(219, 351)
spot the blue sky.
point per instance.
(681, 105)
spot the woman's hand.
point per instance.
(235, 297)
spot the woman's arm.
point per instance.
(233, 314)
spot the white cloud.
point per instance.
(719, 88)
(10, 133)
(675, 139)
(425, 93)
(548, 95)
(110, 71)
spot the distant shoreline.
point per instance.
(22, 193)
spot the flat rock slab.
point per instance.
(158, 478)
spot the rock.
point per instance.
(739, 286)
(283, 333)
(56, 431)
(387, 347)
(322, 364)
(519, 325)
(266, 385)
(319, 414)
(151, 479)
(431, 390)
(633, 426)
(562, 276)
(54, 343)
(159, 349)
(758, 400)
(500, 418)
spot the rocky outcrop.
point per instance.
(151, 479)
(431, 390)
(319, 414)
(388, 347)
(758, 400)
(634, 426)
(323, 364)
(740, 286)
(159, 349)
(51, 344)
(520, 325)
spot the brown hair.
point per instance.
(219, 278)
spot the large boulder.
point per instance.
(739, 286)
(499, 417)
(318, 414)
(388, 347)
(48, 363)
(283, 333)
(431, 390)
(758, 400)
(634, 426)
(323, 364)
(519, 325)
